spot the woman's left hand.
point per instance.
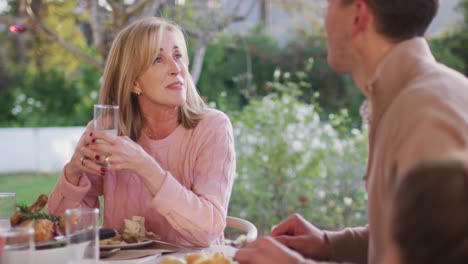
(120, 152)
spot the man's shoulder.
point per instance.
(436, 75)
(434, 85)
(438, 95)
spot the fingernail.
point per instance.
(103, 169)
(97, 157)
(91, 134)
(103, 173)
(93, 141)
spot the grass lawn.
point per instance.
(28, 186)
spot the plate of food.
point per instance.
(133, 236)
(199, 257)
(110, 244)
(48, 229)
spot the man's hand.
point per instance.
(298, 234)
(266, 250)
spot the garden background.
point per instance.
(300, 141)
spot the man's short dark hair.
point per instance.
(402, 19)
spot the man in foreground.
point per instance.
(419, 110)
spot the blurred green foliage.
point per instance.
(236, 67)
(451, 48)
(50, 98)
(289, 160)
(50, 88)
(239, 68)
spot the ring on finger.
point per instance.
(107, 161)
(82, 159)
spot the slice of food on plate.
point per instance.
(134, 232)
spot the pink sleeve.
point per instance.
(199, 215)
(66, 195)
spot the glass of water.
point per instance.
(106, 118)
(7, 208)
(16, 245)
(82, 230)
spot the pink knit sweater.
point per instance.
(191, 206)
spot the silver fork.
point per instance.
(108, 253)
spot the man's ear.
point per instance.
(362, 17)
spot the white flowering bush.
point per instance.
(289, 160)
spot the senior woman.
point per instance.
(174, 160)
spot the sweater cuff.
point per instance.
(348, 245)
(73, 192)
(168, 195)
(330, 238)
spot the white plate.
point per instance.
(125, 246)
(56, 242)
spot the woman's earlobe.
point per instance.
(136, 89)
(137, 92)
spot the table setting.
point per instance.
(29, 235)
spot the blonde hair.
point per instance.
(130, 56)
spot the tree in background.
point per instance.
(47, 35)
(98, 24)
(231, 68)
(47, 50)
(461, 43)
(452, 47)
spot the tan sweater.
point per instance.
(419, 110)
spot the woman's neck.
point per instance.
(160, 123)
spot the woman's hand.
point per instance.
(118, 152)
(83, 158)
(267, 250)
(121, 153)
(298, 234)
